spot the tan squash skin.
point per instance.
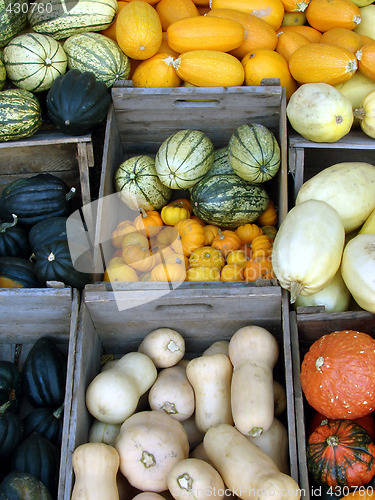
(95, 466)
(220, 346)
(245, 469)
(210, 377)
(195, 436)
(166, 347)
(253, 351)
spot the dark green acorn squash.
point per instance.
(23, 486)
(39, 457)
(44, 374)
(17, 272)
(53, 263)
(10, 432)
(14, 241)
(77, 101)
(10, 384)
(45, 421)
(35, 198)
(47, 231)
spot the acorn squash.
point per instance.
(17, 272)
(14, 241)
(23, 486)
(10, 432)
(45, 421)
(10, 384)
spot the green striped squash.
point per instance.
(3, 75)
(226, 200)
(63, 18)
(254, 153)
(99, 54)
(13, 18)
(139, 186)
(184, 158)
(20, 114)
(221, 163)
(34, 61)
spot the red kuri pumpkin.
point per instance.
(341, 453)
(338, 374)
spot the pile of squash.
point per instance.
(194, 428)
(31, 421)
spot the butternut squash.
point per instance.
(220, 346)
(211, 377)
(165, 346)
(279, 397)
(245, 468)
(195, 436)
(95, 467)
(100, 432)
(253, 351)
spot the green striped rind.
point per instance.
(3, 75)
(20, 114)
(33, 61)
(12, 19)
(254, 153)
(221, 163)
(139, 185)
(69, 17)
(184, 158)
(99, 54)
(226, 200)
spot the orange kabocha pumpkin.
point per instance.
(324, 15)
(258, 33)
(138, 30)
(226, 241)
(247, 232)
(322, 63)
(173, 10)
(150, 222)
(335, 362)
(156, 71)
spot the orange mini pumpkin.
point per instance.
(226, 241)
(191, 235)
(247, 232)
(150, 222)
(237, 257)
(182, 203)
(203, 273)
(207, 256)
(269, 216)
(262, 242)
(210, 231)
(139, 258)
(232, 272)
(168, 272)
(120, 273)
(171, 215)
(258, 269)
(119, 232)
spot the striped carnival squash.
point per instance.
(3, 75)
(138, 30)
(63, 18)
(157, 71)
(33, 61)
(254, 153)
(99, 54)
(184, 158)
(13, 18)
(271, 11)
(258, 33)
(20, 114)
(205, 33)
(172, 10)
(322, 63)
(324, 15)
(221, 163)
(139, 186)
(210, 68)
(110, 32)
(227, 200)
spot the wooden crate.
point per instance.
(68, 157)
(141, 119)
(307, 158)
(201, 318)
(52, 313)
(305, 328)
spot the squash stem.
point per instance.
(6, 225)
(359, 113)
(295, 289)
(58, 413)
(71, 193)
(5, 407)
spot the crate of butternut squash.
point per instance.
(181, 397)
(193, 189)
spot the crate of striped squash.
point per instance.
(140, 124)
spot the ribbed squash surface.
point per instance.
(321, 62)
(258, 33)
(324, 15)
(210, 68)
(205, 33)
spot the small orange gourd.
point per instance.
(203, 273)
(262, 242)
(310, 33)
(366, 60)
(148, 221)
(210, 68)
(173, 10)
(138, 30)
(120, 273)
(324, 15)
(322, 63)
(271, 11)
(139, 258)
(135, 238)
(265, 63)
(168, 272)
(269, 216)
(237, 257)
(119, 232)
(258, 33)
(176, 258)
(207, 256)
(258, 269)
(205, 33)
(156, 71)
(182, 203)
(226, 241)
(247, 232)
(232, 272)
(288, 42)
(210, 231)
(191, 235)
(200, 221)
(171, 215)
(342, 37)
